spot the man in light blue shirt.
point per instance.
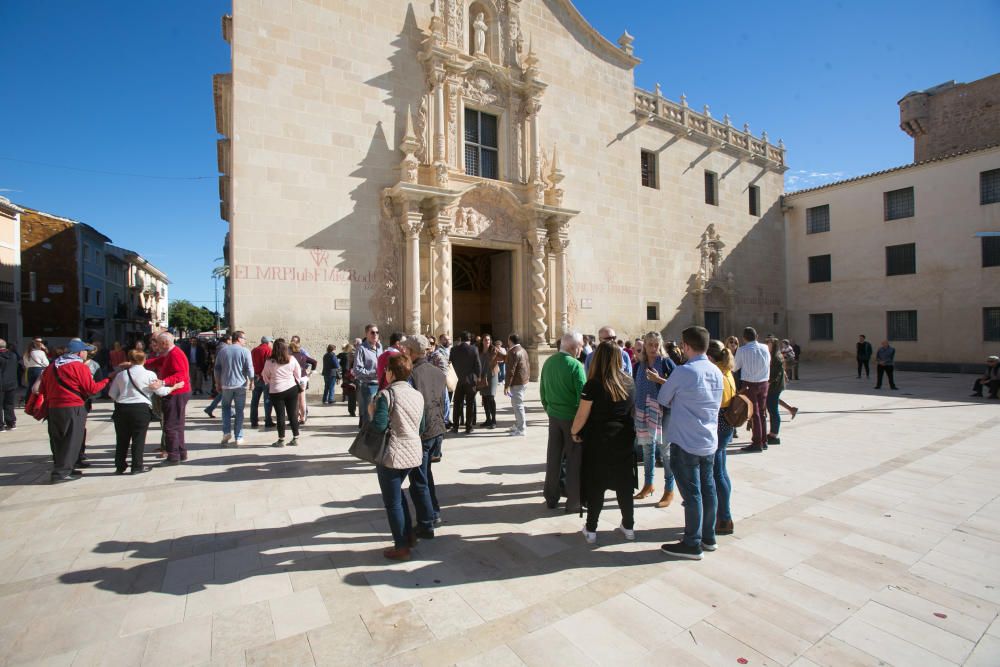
(607, 333)
(233, 376)
(693, 392)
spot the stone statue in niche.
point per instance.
(479, 29)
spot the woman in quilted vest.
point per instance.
(721, 356)
(399, 408)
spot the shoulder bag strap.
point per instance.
(65, 386)
(131, 380)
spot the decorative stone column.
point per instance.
(412, 223)
(538, 187)
(558, 242)
(441, 256)
(537, 247)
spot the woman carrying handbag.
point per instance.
(398, 410)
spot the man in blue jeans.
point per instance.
(693, 392)
(233, 374)
(366, 370)
(431, 382)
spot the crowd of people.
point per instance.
(613, 407)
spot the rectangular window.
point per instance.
(754, 200)
(901, 324)
(819, 269)
(652, 311)
(648, 167)
(899, 204)
(991, 251)
(711, 188)
(86, 295)
(481, 145)
(818, 219)
(989, 186)
(900, 259)
(97, 296)
(821, 326)
(991, 324)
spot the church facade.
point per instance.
(487, 165)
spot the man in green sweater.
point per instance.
(560, 385)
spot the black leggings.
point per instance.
(287, 402)
(490, 408)
(595, 503)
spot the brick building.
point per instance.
(952, 117)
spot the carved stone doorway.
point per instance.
(483, 290)
(713, 322)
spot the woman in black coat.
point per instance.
(605, 427)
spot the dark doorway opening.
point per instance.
(713, 322)
(482, 297)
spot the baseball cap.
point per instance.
(78, 346)
(266, 339)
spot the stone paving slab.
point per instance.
(870, 537)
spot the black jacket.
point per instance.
(465, 359)
(8, 370)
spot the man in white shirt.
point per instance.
(753, 361)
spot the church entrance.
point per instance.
(482, 290)
(713, 322)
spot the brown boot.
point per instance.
(668, 497)
(645, 492)
(393, 553)
(724, 528)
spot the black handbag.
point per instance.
(369, 445)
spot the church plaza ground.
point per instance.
(872, 536)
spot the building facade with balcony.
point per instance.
(10, 271)
(436, 173)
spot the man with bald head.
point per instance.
(559, 387)
(607, 333)
(172, 368)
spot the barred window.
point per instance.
(648, 167)
(901, 324)
(991, 251)
(652, 311)
(821, 326)
(754, 200)
(991, 324)
(711, 188)
(819, 269)
(818, 219)
(481, 145)
(989, 186)
(899, 204)
(901, 259)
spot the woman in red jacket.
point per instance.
(66, 385)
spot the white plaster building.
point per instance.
(485, 165)
(10, 271)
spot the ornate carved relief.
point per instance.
(481, 89)
(489, 212)
(711, 255)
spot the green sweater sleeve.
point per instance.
(381, 419)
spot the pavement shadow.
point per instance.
(190, 563)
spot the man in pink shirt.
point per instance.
(395, 347)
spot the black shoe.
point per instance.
(752, 448)
(170, 462)
(83, 464)
(119, 471)
(59, 479)
(268, 424)
(895, 388)
(878, 386)
(551, 506)
(977, 395)
(681, 550)
(435, 459)
(139, 471)
(468, 429)
(491, 426)
(211, 415)
(253, 424)
(424, 533)
(453, 430)
(773, 440)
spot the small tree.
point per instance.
(185, 315)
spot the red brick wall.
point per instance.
(961, 118)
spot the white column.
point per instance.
(562, 307)
(439, 120)
(536, 157)
(412, 225)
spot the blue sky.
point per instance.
(126, 87)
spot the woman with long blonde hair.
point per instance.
(604, 424)
(650, 415)
(722, 356)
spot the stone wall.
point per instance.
(951, 119)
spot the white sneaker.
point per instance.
(226, 438)
(239, 442)
(514, 432)
(627, 532)
(589, 536)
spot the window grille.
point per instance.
(901, 324)
(819, 269)
(901, 259)
(818, 219)
(899, 204)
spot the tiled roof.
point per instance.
(894, 169)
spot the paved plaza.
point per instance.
(871, 536)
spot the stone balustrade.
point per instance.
(679, 116)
